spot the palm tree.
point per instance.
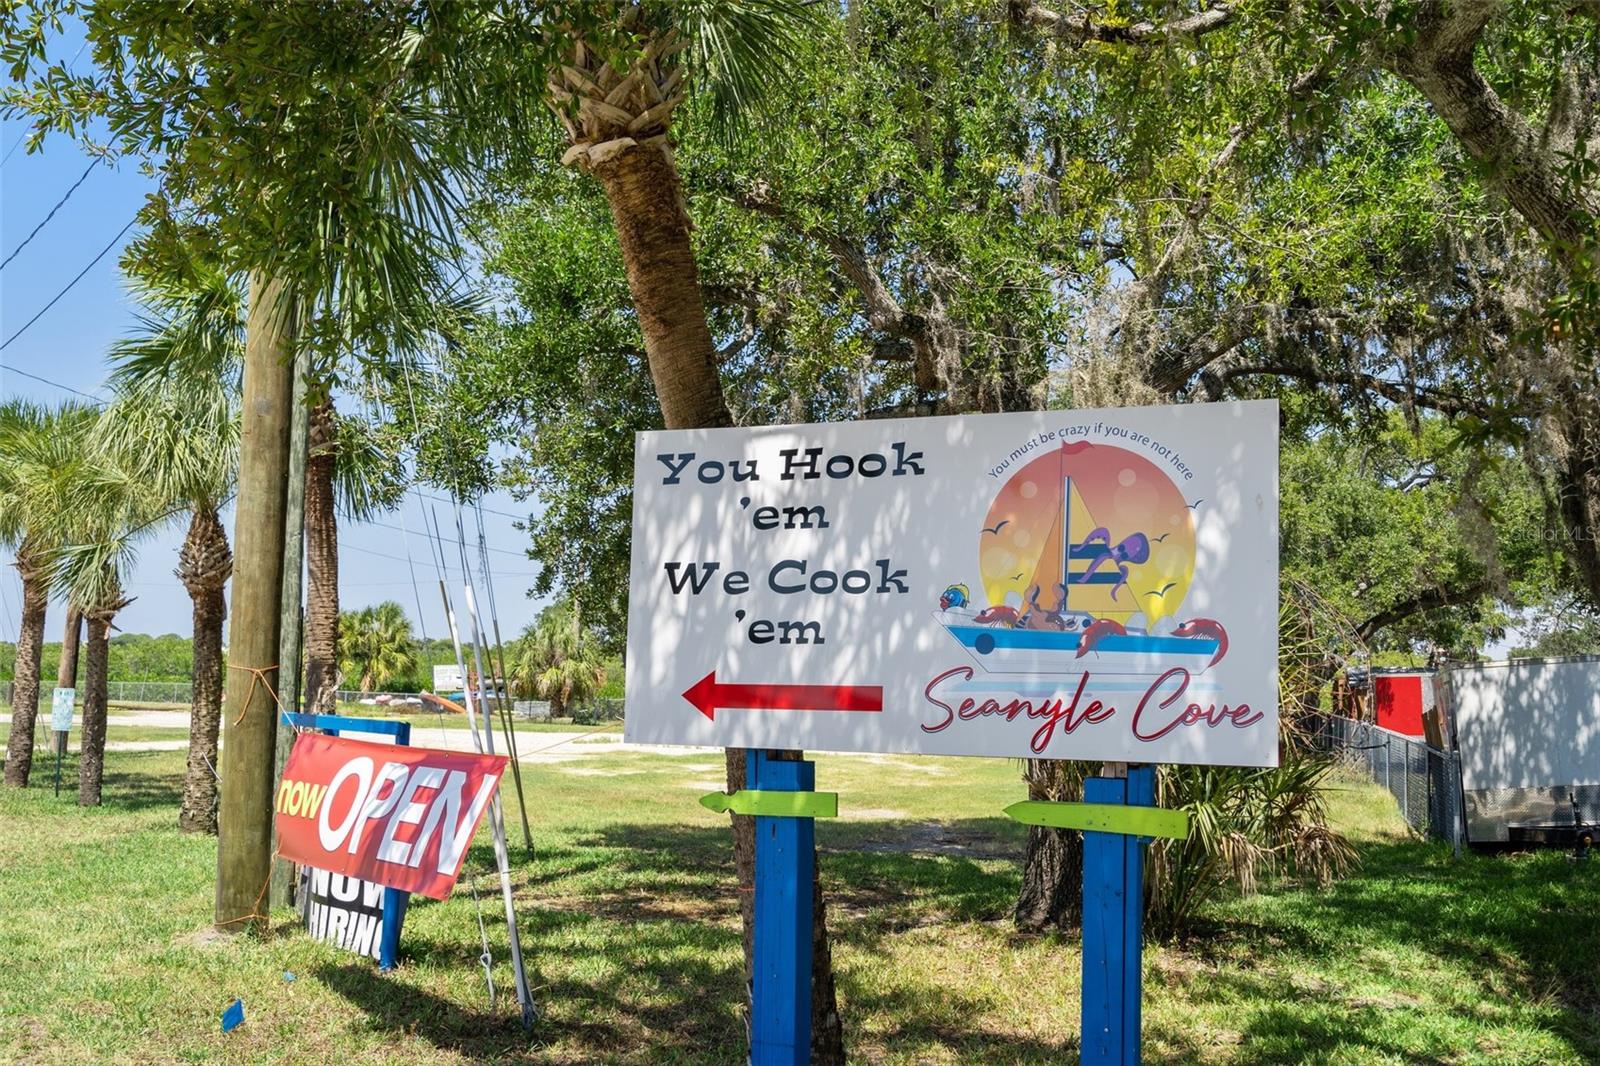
(38, 449)
(103, 511)
(347, 472)
(322, 560)
(175, 425)
(375, 644)
(614, 93)
(555, 659)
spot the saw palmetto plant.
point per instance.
(1248, 825)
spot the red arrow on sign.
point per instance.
(707, 696)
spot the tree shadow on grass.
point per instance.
(671, 1004)
(668, 986)
(1524, 928)
(655, 859)
(127, 784)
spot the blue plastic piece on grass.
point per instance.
(233, 1017)
(288, 975)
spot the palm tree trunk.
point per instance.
(642, 186)
(204, 563)
(92, 746)
(646, 198)
(322, 564)
(67, 667)
(25, 689)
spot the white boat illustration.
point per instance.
(1014, 643)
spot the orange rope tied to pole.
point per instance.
(257, 674)
(256, 914)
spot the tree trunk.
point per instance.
(204, 563)
(646, 198)
(322, 564)
(67, 667)
(25, 688)
(292, 600)
(1578, 480)
(250, 717)
(1052, 875)
(92, 746)
(642, 186)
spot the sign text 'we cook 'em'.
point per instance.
(1059, 584)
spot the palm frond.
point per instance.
(740, 50)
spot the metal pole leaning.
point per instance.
(485, 743)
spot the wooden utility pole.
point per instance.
(290, 641)
(67, 667)
(249, 709)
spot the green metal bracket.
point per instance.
(1103, 818)
(774, 804)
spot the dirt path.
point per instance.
(531, 747)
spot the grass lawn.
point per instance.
(630, 927)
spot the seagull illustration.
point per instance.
(1161, 538)
(996, 527)
(1164, 588)
(1196, 503)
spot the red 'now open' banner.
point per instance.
(402, 817)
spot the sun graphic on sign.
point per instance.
(1090, 528)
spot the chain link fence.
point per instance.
(1425, 782)
(591, 711)
(147, 692)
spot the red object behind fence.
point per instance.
(399, 816)
(1398, 702)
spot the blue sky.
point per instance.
(67, 346)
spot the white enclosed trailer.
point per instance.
(1528, 735)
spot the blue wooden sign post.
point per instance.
(1118, 818)
(781, 796)
(1113, 936)
(780, 1008)
(395, 900)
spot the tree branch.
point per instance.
(1436, 57)
(1426, 600)
(884, 312)
(1394, 391)
(1081, 29)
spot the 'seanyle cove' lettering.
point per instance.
(1159, 711)
(401, 817)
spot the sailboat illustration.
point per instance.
(1078, 605)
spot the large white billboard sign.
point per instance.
(1059, 584)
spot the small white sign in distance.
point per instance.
(1092, 584)
(61, 701)
(447, 677)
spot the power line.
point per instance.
(92, 164)
(486, 510)
(69, 286)
(55, 384)
(401, 558)
(502, 551)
